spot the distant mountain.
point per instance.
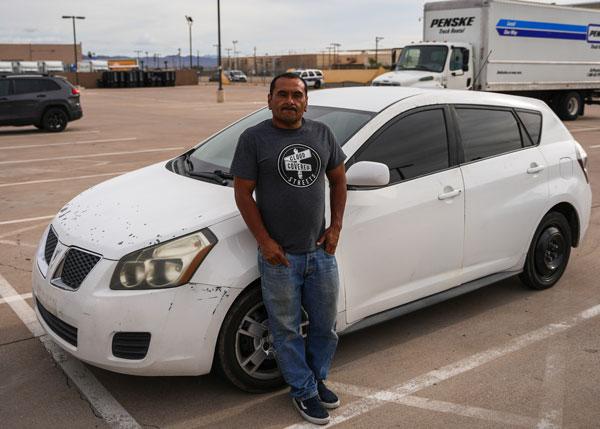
(173, 61)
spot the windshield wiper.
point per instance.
(219, 176)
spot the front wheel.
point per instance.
(548, 253)
(245, 350)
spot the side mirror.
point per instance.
(465, 68)
(368, 173)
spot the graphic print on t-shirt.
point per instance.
(299, 165)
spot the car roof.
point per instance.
(377, 98)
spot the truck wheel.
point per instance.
(569, 106)
(55, 120)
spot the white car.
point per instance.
(155, 273)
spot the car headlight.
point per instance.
(165, 265)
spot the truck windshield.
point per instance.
(217, 152)
(427, 57)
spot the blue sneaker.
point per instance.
(312, 410)
(327, 397)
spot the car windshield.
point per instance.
(427, 58)
(217, 152)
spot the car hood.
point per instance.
(140, 209)
(407, 77)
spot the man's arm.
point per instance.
(269, 248)
(337, 199)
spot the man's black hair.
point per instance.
(287, 75)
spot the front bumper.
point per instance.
(183, 322)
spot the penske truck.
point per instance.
(537, 50)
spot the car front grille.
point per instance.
(51, 242)
(60, 328)
(77, 265)
(131, 345)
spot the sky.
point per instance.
(120, 27)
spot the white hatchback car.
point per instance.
(155, 273)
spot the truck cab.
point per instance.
(432, 65)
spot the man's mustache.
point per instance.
(290, 108)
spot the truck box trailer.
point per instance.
(51, 66)
(26, 67)
(538, 50)
(6, 67)
(92, 65)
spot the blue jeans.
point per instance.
(310, 282)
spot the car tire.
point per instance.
(569, 106)
(548, 253)
(317, 84)
(55, 120)
(248, 314)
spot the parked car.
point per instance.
(312, 77)
(47, 102)
(237, 76)
(448, 191)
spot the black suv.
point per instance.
(47, 102)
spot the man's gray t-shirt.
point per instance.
(289, 169)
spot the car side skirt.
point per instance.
(427, 301)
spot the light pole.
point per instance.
(220, 97)
(228, 58)
(179, 58)
(138, 52)
(335, 45)
(377, 39)
(235, 42)
(190, 21)
(73, 18)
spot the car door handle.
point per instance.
(535, 168)
(450, 194)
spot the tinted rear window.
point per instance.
(487, 132)
(533, 124)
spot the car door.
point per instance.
(27, 96)
(404, 241)
(459, 78)
(506, 189)
(5, 101)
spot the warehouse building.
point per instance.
(39, 52)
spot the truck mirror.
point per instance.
(465, 67)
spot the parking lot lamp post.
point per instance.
(73, 18)
(146, 60)
(377, 39)
(234, 54)
(190, 21)
(220, 97)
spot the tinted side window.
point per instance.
(533, 124)
(413, 146)
(456, 59)
(4, 87)
(48, 85)
(26, 86)
(487, 132)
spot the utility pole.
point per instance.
(179, 58)
(190, 21)
(255, 68)
(220, 95)
(73, 18)
(234, 54)
(335, 45)
(198, 59)
(377, 39)
(146, 52)
(228, 58)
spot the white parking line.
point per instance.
(101, 401)
(582, 130)
(16, 243)
(46, 135)
(17, 231)
(439, 406)
(29, 219)
(595, 146)
(15, 298)
(61, 179)
(94, 155)
(124, 139)
(377, 399)
(553, 387)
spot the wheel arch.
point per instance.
(570, 213)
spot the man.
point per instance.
(285, 159)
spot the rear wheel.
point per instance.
(317, 84)
(245, 349)
(548, 253)
(55, 120)
(569, 106)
